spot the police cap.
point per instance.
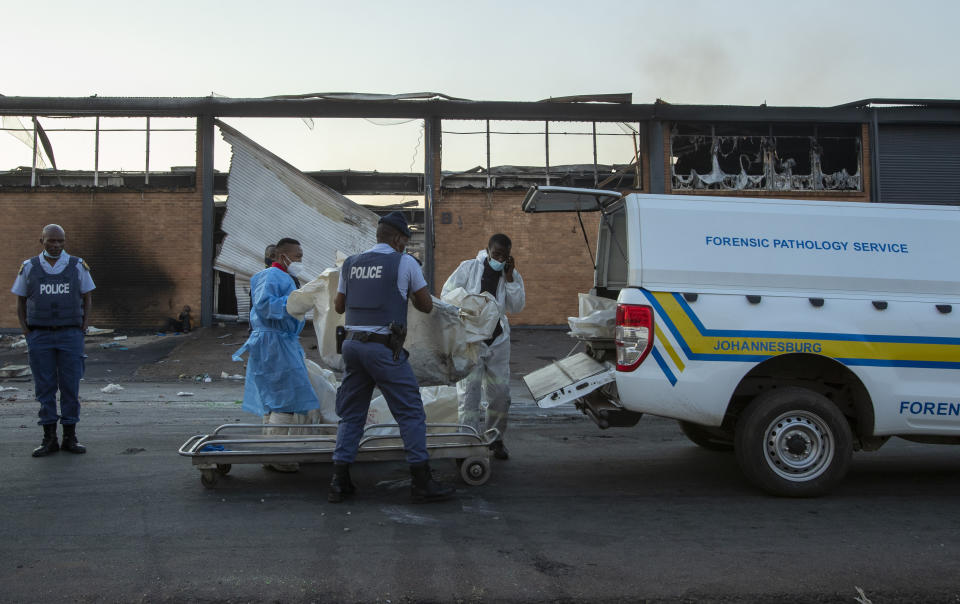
(397, 221)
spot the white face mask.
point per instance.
(296, 269)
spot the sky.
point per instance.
(816, 53)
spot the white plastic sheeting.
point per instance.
(598, 317)
(269, 199)
(318, 295)
(325, 384)
(443, 344)
(479, 312)
(439, 403)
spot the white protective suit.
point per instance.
(492, 373)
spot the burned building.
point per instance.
(153, 237)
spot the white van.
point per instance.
(793, 332)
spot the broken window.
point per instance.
(516, 154)
(766, 157)
(97, 151)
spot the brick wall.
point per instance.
(549, 248)
(143, 248)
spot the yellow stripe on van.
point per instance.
(677, 361)
(742, 345)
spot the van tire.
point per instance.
(806, 422)
(708, 437)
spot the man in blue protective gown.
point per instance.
(373, 291)
(53, 305)
(277, 384)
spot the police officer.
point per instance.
(373, 291)
(53, 305)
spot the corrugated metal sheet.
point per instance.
(919, 164)
(268, 199)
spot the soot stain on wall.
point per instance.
(132, 288)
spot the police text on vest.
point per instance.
(365, 272)
(54, 288)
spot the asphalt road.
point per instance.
(577, 515)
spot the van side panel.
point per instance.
(791, 247)
(907, 354)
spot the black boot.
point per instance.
(499, 449)
(340, 484)
(49, 444)
(424, 488)
(70, 440)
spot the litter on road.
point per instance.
(15, 371)
(109, 388)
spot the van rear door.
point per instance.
(579, 378)
(611, 256)
(567, 199)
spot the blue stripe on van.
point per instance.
(663, 365)
(704, 331)
(806, 335)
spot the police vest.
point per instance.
(370, 280)
(54, 300)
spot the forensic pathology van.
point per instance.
(793, 332)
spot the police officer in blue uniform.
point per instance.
(53, 305)
(373, 291)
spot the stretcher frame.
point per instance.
(247, 444)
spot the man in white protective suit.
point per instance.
(493, 271)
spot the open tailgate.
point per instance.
(568, 379)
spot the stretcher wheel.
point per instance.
(224, 468)
(475, 471)
(208, 478)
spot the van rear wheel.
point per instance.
(708, 437)
(793, 442)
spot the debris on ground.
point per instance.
(120, 337)
(19, 343)
(184, 394)
(225, 376)
(15, 371)
(109, 388)
(96, 331)
(8, 388)
(113, 345)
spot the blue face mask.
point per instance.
(49, 255)
(495, 264)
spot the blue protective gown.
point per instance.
(277, 379)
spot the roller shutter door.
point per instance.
(919, 164)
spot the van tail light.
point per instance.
(634, 335)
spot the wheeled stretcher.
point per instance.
(215, 454)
